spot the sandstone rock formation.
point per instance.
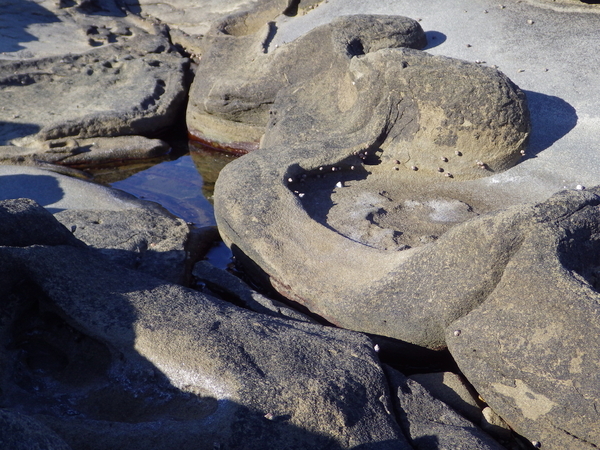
(240, 76)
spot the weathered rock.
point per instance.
(21, 432)
(532, 349)
(137, 234)
(86, 152)
(430, 423)
(23, 223)
(240, 76)
(111, 358)
(230, 288)
(351, 170)
(135, 88)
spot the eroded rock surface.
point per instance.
(240, 75)
(116, 76)
(348, 206)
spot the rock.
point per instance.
(137, 234)
(493, 424)
(240, 76)
(57, 192)
(223, 285)
(135, 88)
(532, 348)
(86, 152)
(108, 357)
(430, 423)
(21, 432)
(23, 223)
(144, 239)
(454, 391)
(334, 228)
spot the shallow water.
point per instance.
(184, 186)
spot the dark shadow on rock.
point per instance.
(71, 359)
(314, 188)
(15, 17)
(45, 190)
(13, 130)
(551, 119)
(434, 38)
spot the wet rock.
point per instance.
(430, 423)
(240, 75)
(532, 348)
(21, 432)
(108, 357)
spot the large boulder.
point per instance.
(532, 349)
(347, 205)
(240, 74)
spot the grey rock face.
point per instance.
(240, 75)
(532, 349)
(23, 223)
(109, 357)
(152, 241)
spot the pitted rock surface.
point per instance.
(240, 75)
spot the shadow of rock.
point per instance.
(434, 38)
(551, 119)
(14, 23)
(44, 189)
(13, 130)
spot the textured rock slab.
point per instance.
(86, 152)
(129, 360)
(149, 240)
(532, 349)
(138, 234)
(240, 75)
